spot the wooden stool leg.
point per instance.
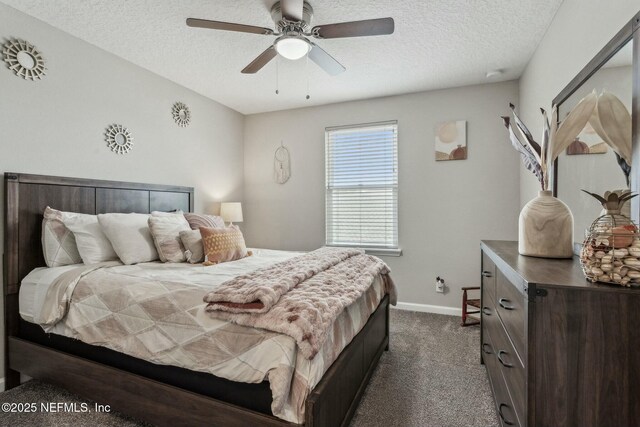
(464, 307)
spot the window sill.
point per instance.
(383, 252)
(374, 251)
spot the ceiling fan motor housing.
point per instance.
(286, 26)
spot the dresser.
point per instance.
(559, 350)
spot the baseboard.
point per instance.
(428, 308)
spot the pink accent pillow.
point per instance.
(223, 244)
(200, 220)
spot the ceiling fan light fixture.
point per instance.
(292, 47)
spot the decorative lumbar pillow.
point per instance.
(223, 244)
(93, 245)
(193, 249)
(130, 236)
(200, 220)
(165, 230)
(58, 244)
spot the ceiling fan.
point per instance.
(292, 20)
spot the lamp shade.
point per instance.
(292, 47)
(231, 211)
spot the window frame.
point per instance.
(370, 249)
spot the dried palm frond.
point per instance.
(626, 168)
(614, 121)
(572, 125)
(546, 135)
(529, 160)
(607, 115)
(534, 147)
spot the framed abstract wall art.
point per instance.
(451, 140)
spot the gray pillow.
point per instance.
(192, 241)
(165, 229)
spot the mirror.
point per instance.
(589, 163)
(26, 60)
(120, 139)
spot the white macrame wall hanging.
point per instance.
(281, 164)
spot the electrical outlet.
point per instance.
(440, 285)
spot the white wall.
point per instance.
(445, 208)
(578, 31)
(56, 126)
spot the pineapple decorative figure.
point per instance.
(611, 249)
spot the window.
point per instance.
(362, 186)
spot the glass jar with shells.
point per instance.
(611, 249)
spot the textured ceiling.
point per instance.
(437, 44)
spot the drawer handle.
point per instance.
(505, 303)
(486, 311)
(505, 364)
(502, 417)
(486, 273)
(485, 350)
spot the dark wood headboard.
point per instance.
(26, 197)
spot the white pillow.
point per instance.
(165, 229)
(130, 236)
(93, 245)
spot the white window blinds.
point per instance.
(362, 185)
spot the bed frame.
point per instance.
(331, 403)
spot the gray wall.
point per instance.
(56, 126)
(578, 31)
(445, 208)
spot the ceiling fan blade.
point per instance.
(260, 61)
(227, 26)
(292, 9)
(369, 27)
(325, 61)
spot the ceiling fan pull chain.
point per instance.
(277, 76)
(306, 71)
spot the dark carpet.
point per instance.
(430, 377)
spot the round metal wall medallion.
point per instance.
(181, 114)
(24, 59)
(119, 139)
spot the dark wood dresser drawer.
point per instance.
(489, 323)
(512, 369)
(488, 277)
(509, 303)
(502, 399)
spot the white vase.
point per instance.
(545, 228)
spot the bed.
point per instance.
(160, 394)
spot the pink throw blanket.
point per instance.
(300, 297)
